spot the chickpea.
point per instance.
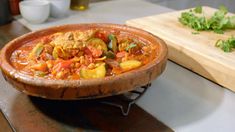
(91, 66)
(82, 60)
(59, 75)
(146, 48)
(122, 46)
(125, 58)
(72, 65)
(49, 64)
(77, 65)
(62, 74)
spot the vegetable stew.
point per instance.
(82, 54)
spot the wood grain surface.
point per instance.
(28, 114)
(4, 124)
(195, 52)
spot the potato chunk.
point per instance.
(130, 64)
(98, 72)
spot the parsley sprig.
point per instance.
(132, 45)
(218, 22)
(226, 45)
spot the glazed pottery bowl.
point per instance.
(83, 89)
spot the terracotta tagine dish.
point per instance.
(83, 61)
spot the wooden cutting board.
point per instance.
(195, 52)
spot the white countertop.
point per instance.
(187, 102)
(181, 99)
(117, 11)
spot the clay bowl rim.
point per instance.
(9, 70)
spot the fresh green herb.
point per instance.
(223, 8)
(109, 54)
(111, 36)
(40, 73)
(132, 45)
(226, 45)
(219, 31)
(39, 51)
(112, 43)
(198, 9)
(36, 51)
(218, 22)
(195, 32)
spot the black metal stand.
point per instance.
(130, 98)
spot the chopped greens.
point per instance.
(195, 32)
(36, 51)
(111, 36)
(113, 43)
(198, 9)
(132, 45)
(218, 22)
(40, 73)
(109, 54)
(226, 45)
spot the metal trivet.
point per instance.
(130, 98)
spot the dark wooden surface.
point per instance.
(4, 124)
(35, 114)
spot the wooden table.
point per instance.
(35, 114)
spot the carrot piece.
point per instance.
(40, 67)
(121, 54)
(63, 64)
(66, 64)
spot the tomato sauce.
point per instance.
(82, 55)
